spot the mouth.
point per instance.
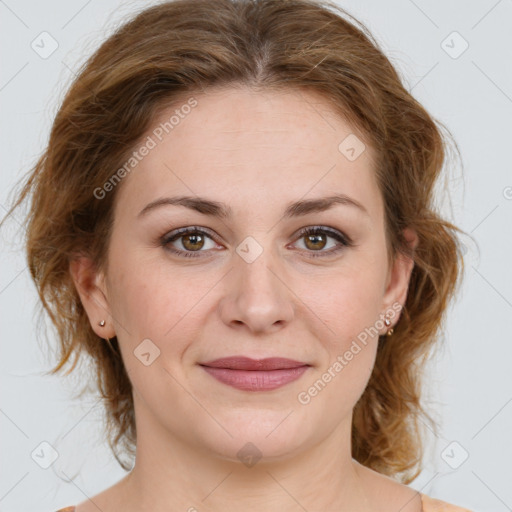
(249, 374)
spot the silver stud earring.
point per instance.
(102, 323)
(387, 321)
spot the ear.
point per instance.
(90, 285)
(398, 279)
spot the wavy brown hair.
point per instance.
(173, 49)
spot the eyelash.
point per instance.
(343, 240)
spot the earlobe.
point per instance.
(90, 285)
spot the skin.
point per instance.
(257, 152)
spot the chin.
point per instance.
(259, 435)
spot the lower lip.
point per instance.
(256, 380)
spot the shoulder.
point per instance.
(66, 509)
(434, 505)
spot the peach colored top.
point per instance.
(428, 505)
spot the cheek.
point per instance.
(346, 307)
(349, 309)
(149, 303)
(346, 302)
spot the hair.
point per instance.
(177, 48)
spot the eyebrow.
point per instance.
(220, 210)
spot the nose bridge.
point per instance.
(256, 295)
(254, 265)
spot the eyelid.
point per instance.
(187, 230)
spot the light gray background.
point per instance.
(470, 384)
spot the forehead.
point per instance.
(238, 145)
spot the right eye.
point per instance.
(192, 240)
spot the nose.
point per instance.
(257, 296)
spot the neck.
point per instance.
(171, 473)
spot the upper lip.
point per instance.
(246, 363)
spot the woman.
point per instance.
(237, 197)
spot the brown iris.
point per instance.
(193, 241)
(314, 241)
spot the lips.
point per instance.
(246, 363)
(248, 374)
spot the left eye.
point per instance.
(193, 240)
(315, 238)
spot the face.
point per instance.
(185, 285)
